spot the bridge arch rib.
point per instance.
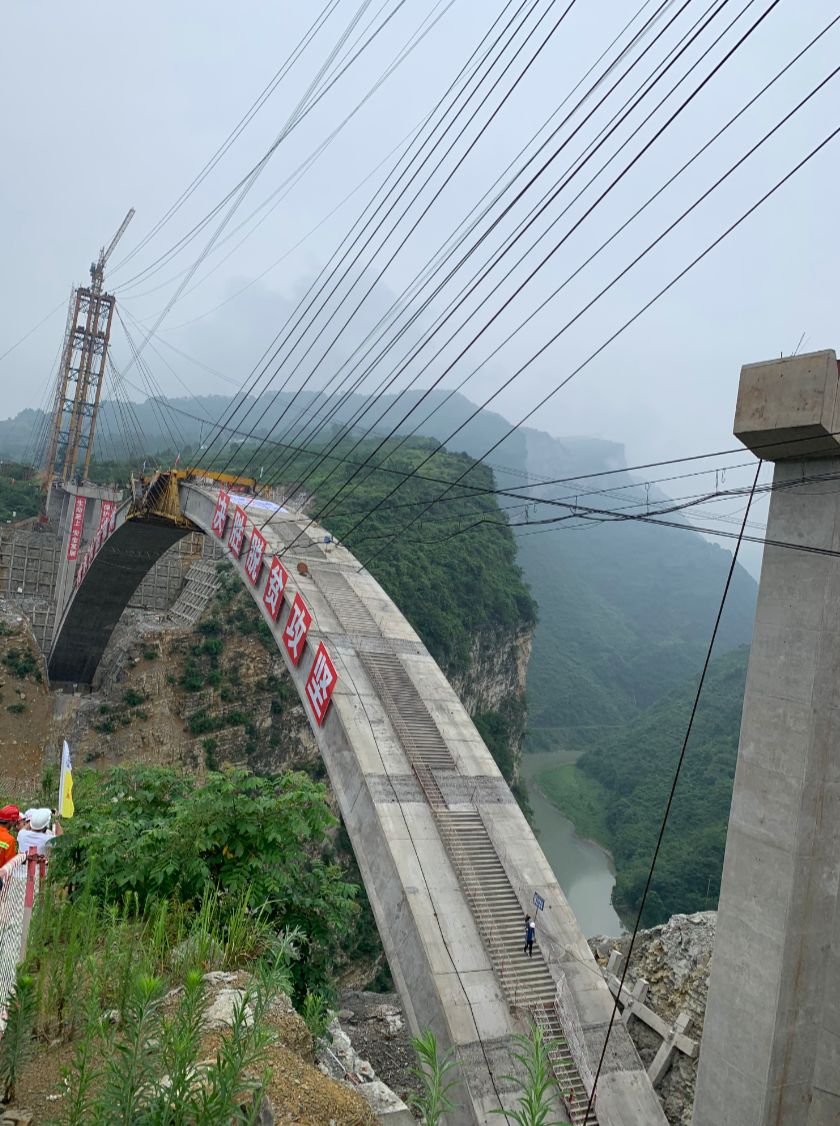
(449, 863)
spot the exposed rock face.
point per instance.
(498, 666)
(28, 731)
(674, 960)
(495, 681)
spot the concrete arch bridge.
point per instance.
(448, 860)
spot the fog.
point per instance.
(122, 106)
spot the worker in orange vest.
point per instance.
(9, 819)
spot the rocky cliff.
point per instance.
(674, 960)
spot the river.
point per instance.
(583, 869)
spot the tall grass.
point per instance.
(535, 1083)
(126, 987)
(437, 1075)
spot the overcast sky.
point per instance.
(111, 106)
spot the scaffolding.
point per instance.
(79, 385)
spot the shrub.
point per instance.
(535, 1084)
(17, 708)
(316, 1014)
(131, 697)
(192, 679)
(16, 1042)
(159, 834)
(436, 1078)
(22, 664)
(145, 1064)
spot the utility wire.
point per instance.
(369, 221)
(639, 312)
(670, 801)
(285, 188)
(481, 274)
(304, 105)
(390, 382)
(241, 125)
(548, 256)
(592, 356)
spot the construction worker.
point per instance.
(530, 932)
(9, 819)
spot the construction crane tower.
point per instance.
(79, 384)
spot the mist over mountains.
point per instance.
(625, 608)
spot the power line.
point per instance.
(241, 125)
(545, 164)
(293, 179)
(670, 800)
(580, 367)
(240, 189)
(636, 315)
(362, 223)
(546, 258)
(483, 271)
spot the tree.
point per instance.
(157, 833)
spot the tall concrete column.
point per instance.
(771, 1040)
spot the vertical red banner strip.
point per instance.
(76, 528)
(320, 684)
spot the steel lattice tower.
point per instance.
(79, 384)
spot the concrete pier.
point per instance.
(770, 1052)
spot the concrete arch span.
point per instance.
(449, 863)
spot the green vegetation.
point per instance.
(316, 1014)
(16, 1042)
(157, 835)
(20, 495)
(437, 1078)
(625, 614)
(534, 1082)
(112, 717)
(629, 777)
(454, 572)
(124, 985)
(22, 664)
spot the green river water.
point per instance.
(583, 869)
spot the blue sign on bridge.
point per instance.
(539, 902)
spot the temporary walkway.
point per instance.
(448, 860)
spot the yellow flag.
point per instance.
(65, 786)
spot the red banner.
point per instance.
(297, 627)
(320, 684)
(274, 587)
(254, 556)
(106, 511)
(76, 528)
(220, 515)
(237, 531)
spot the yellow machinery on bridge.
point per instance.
(158, 495)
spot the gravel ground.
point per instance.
(376, 1025)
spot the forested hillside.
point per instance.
(624, 608)
(628, 775)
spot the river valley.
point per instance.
(583, 869)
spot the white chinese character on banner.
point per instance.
(320, 683)
(254, 558)
(294, 635)
(274, 587)
(237, 531)
(220, 515)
